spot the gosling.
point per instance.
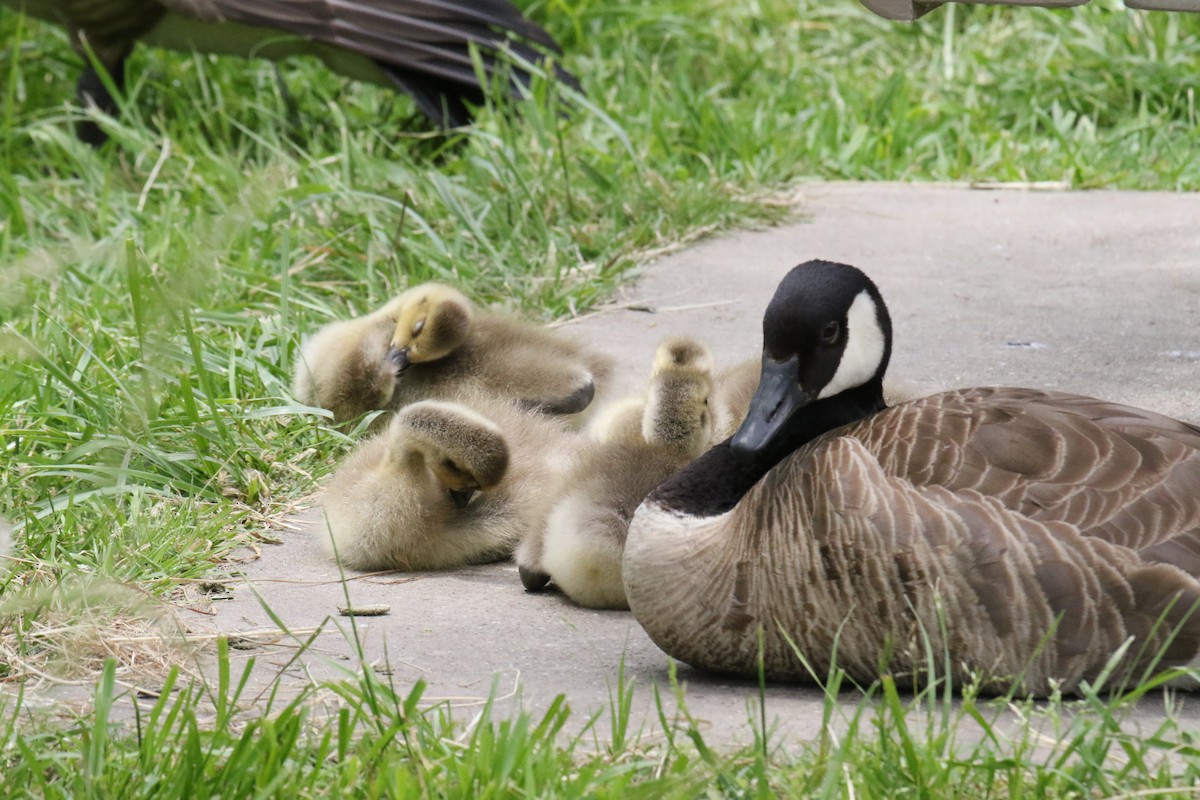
(446, 484)
(431, 343)
(635, 446)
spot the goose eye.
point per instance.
(418, 327)
(829, 334)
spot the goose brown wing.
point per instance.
(1019, 593)
(1128, 476)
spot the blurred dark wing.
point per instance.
(423, 45)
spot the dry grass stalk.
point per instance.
(63, 634)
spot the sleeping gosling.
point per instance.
(431, 343)
(444, 485)
(729, 398)
(642, 442)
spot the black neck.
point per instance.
(717, 480)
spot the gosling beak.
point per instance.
(461, 497)
(400, 358)
(778, 397)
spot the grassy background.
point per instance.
(152, 294)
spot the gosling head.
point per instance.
(677, 410)
(432, 321)
(463, 450)
(826, 336)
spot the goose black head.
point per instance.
(827, 336)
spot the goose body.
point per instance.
(422, 47)
(431, 343)
(1021, 537)
(445, 484)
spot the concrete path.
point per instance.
(1091, 292)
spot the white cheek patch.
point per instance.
(864, 348)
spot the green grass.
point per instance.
(152, 294)
(367, 737)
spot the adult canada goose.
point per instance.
(422, 47)
(1026, 535)
(431, 343)
(580, 546)
(446, 484)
